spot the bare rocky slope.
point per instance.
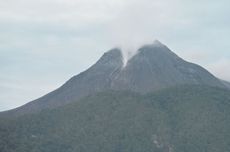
(154, 67)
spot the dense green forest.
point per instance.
(179, 119)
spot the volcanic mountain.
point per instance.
(153, 67)
(155, 102)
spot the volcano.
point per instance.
(156, 101)
(154, 67)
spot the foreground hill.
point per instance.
(154, 67)
(180, 119)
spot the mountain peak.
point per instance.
(158, 43)
(155, 44)
(154, 47)
(153, 67)
(111, 58)
(113, 53)
(155, 52)
(116, 54)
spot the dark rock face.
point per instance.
(154, 67)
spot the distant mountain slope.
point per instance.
(180, 119)
(226, 83)
(154, 67)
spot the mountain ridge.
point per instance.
(152, 68)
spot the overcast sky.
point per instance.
(45, 42)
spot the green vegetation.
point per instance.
(182, 119)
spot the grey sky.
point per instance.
(45, 42)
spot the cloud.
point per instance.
(71, 12)
(139, 21)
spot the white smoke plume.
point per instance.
(138, 23)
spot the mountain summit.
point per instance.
(152, 68)
(155, 67)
